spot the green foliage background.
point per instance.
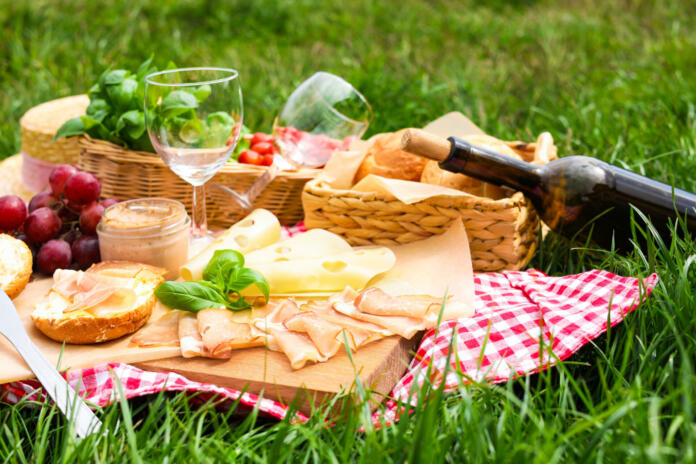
(611, 79)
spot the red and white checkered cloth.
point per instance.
(525, 322)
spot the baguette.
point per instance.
(66, 316)
(15, 265)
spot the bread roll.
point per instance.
(15, 265)
(385, 158)
(433, 174)
(122, 312)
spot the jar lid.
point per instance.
(144, 217)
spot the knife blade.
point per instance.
(67, 400)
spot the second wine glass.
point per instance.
(194, 118)
(323, 114)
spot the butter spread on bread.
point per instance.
(109, 300)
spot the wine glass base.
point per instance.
(198, 242)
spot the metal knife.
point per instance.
(67, 400)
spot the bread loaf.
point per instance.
(15, 265)
(385, 158)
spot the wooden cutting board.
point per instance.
(378, 365)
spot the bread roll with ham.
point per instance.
(109, 300)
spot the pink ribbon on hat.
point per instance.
(35, 173)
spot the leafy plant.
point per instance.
(115, 112)
(223, 279)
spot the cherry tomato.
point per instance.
(259, 137)
(263, 148)
(266, 160)
(250, 157)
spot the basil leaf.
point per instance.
(70, 128)
(190, 296)
(177, 100)
(245, 277)
(201, 92)
(134, 123)
(98, 109)
(115, 77)
(221, 258)
(144, 69)
(122, 96)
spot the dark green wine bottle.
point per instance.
(576, 195)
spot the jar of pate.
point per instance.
(151, 231)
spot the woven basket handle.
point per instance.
(425, 144)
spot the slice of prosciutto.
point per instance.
(297, 347)
(221, 333)
(162, 332)
(359, 332)
(376, 301)
(190, 340)
(325, 335)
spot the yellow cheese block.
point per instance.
(331, 273)
(259, 229)
(315, 243)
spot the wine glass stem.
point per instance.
(199, 226)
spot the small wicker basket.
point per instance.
(502, 233)
(127, 174)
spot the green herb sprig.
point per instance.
(223, 279)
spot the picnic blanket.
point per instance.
(525, 322)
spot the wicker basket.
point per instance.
(502, 233)
(127, 174)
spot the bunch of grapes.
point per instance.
(59, 224)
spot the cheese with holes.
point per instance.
(331, 273)
(259, 229)
(315, 243)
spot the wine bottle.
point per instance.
(573, 195)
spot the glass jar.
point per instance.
(151, 231)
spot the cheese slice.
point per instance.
(259, 229)
(315, 243)
(326, 274)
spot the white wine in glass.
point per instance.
(194, 118)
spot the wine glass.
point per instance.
(323, 114)
(194, 118)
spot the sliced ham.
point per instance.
(359, 332)
(325, 335)
(297, 347)
(162, 332)
(221, 333)
(190, 339)
(377, 302)
(407, 327)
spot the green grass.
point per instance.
(613, 80)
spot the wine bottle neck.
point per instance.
(492, 167)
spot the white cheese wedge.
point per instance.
(315, 243)
(259, 229)
(331, 273)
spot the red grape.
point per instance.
(54, 254)
(108, 202)
(13, 212)
(89, 218)
(82, 188)
(85, 250)
(41, 199)
(42, 224)
(59, 177)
